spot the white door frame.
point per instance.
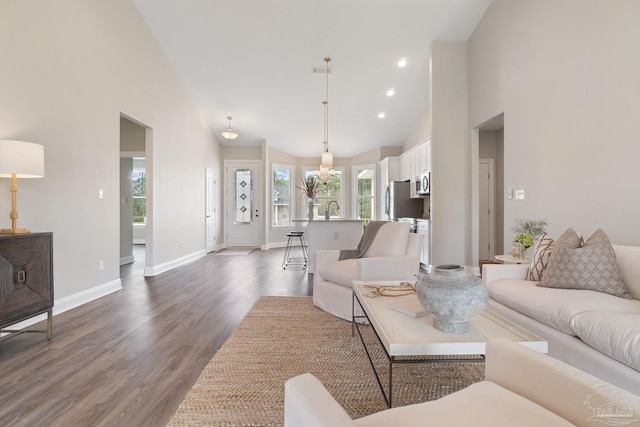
(491, 204)
(210, 210)
(252, 239)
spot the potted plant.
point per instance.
(534, 228)
(528, 231)
(309, 189)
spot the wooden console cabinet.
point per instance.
(26, 280)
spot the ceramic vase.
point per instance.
(452, 296)
(310, 210)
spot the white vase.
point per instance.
(310, 210)
(452, 296)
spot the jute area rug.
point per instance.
(281, 337)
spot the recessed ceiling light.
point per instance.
(391, 92)
(381, 115)
(402, 63)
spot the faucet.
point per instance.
(326, 212)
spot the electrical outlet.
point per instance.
(519, 194)
(100, 265)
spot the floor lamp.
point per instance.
(19, 159)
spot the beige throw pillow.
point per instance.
(541, 255)
(591, 265)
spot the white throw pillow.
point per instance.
(541, 254)
(391, 240)
(628, 260)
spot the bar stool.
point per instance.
(288, 260)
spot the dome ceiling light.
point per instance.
(229, 134)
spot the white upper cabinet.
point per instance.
(415, 162)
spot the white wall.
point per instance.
(420, 132)
(69, 70)
(566, 75)
(450, 154)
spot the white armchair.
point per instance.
(522, 388)
(394, 254)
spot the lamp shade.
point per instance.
(327, 159)
(229, 134)
(24, 159)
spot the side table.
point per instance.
(26, 280)
(510, 259)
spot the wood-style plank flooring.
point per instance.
(128, 359)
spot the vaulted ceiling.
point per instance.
(254, 59)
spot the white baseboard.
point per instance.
(161, 268)
(73, 301)
(84, 297)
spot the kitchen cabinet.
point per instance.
(406, 166)
(423, 158)
(415, 162)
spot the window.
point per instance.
(243, 196)
(281, 200)
(329, 189)
(364, 191)
(139, 181)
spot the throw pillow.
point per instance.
(628, 260)
(540, 260)
(591, 265)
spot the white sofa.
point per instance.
(394, 254)
(521, 388)
(593, 331)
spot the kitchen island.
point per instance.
(334, 233)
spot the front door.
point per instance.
(243, 203)
(210, 211)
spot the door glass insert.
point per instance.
(243, 196)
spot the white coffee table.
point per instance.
(407, 339)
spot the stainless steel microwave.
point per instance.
(423, 184)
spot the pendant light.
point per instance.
(327, 156)
(229, 134)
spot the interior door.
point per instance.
(210, 211)
(486, 210)
(243, 202)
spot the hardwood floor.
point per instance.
(128, 359)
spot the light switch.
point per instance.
(519, 194)
(100, 193)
